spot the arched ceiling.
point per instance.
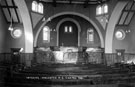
(127, 14)
(10, 11)
(85, 3)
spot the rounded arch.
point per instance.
(28, 31)
(71, 13)
(111, 25)
(72, 20)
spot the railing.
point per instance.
(5, 57)
(78, 57)
(110, 59)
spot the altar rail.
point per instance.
(43, 57)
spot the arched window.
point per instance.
(90, 35)
(34, 6)
(46, 34)
(70, 29)
(40, 8)
(99, 10)
(105, 8)
(66, 28)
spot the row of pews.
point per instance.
(72, 74)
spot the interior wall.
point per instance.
(128, 43)
(3, 28)
(14, 42)
(120, 44)
(83, 34)
(50, 12)
(6, 40)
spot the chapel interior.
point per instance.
(67, 43)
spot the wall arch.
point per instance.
(111, 25)
(72, 20)
(71, 13)
(28, 32)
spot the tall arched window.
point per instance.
(46, 34)
(99, 10)
(34, 6)
(105, 8)
(90, 35)
(40, 8)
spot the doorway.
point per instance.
(68, 34)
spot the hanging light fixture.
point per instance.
(11, 25)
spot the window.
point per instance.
(105, 8)
(34, 6)
(68, 29)
(40, 8)
(37, 7)
(46, 34)
(99, 10)
(90, 35)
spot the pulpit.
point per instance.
(120, 55)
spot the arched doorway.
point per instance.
(76, 29)
(68, 34)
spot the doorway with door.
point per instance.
(68, 34)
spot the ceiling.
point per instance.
(10, 11)
(127, 14)
(84, 2)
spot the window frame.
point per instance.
(48, 34)
(102, 9)
(40, 8)
(37, 7)
(105, 9)
(90, 35)
(68, 29)
(34, 6)
(99, 10)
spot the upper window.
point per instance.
(46, 34)
(100, 10)
(34, 6)
(37, 7)
(40, 8)
(105, 8)
(68, 29)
